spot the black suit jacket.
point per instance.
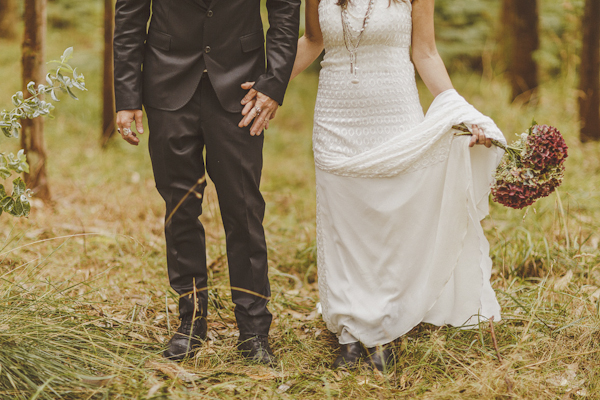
(161, 66)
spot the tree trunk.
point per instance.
(8, 19)
(589, 84)
(521, 21)
(32, 135)
(108, 118)
(506, 35)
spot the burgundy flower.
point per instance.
(545, 147)
(531, 168)
(515, 195)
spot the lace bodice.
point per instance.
(376, 128)
(389, 29)
(351, 118)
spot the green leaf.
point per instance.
(17, 209)
(31, 87)
(2, 192)
(19, 187)
(53, 95)
(7, 204)
(71, 93)
(26, 205)
(5, 173)
(61, 78)
(22, 160)
(80, 86)
(67, 55)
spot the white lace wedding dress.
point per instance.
(399, 197)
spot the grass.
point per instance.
(85, 307)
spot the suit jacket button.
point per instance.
(209, 13)
(207, 49)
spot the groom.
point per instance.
(187, 69)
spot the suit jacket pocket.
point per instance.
(159, 40)
(252, 41)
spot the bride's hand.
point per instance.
(479, 137)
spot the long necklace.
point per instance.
(352, 42)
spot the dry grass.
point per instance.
(85, 306)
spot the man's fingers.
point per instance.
(260, 122)
(132, 140)
(248, 118)
(247, 85)
(139, 126)
(248, 107)
(249, 96)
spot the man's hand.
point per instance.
(479, 137)
(258, 107)
(124, 121)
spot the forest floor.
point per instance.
(85, 306)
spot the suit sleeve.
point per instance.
(131, 19)
(282, 43)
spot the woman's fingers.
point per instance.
(473, 140)
(479, 137)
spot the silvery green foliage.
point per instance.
(63, 78)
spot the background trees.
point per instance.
(589, 83)
(472, 37)
(8, 19)
(33, 59)
(108, 105)
(520, 27)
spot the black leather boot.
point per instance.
(381, 357)
(350, 356)
(256, 348)
(188, 338)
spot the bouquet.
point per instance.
(532, 167)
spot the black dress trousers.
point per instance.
(177, 140)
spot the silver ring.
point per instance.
(258, 110)
(126, 132)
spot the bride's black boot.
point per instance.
(350, 355)
(381, 357)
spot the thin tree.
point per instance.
(8, 19)
(520, 21)
(108, 113)
(32, 135)
(589, 75)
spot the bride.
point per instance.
(399, 197)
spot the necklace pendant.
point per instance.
(353, 68)
(354, 74)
